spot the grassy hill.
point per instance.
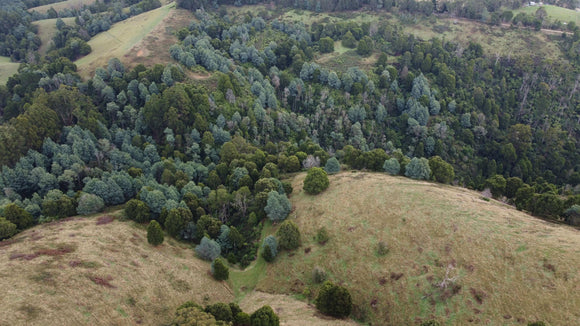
(508, 268)
(554, 13)
(7, 69)
(121, 38)
(47, 30)
(77, 4)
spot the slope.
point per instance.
(85, 272)
(47, 30)
(7, 69)
(501, 265)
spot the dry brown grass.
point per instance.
(508, 267)
(84, 272)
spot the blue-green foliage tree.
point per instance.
(392, 166)
(418, 168)
(208, 249)
(89, 204)
(278, 206)
(270, 248)
(332, 166)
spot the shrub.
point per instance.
(242, 319)
(496, 184)
(316, 181)
(137, 211)
(382, 248)
(154, 233)
(7, 229)
(264, 316)
(392, 166)
(192, 315)
(322, 236)
(318, 275)
(278, 206)
(90, 204)
(208, 249)
(442, 171)
(289, 235)
(334, 300)
(287, 187)
(17, 215)
(332, 166)
(219, 270)
(220, 311)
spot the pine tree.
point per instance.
(154, 234)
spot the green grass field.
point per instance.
(47, 30)
(120, 39)
(62, 5)
(554, 13)
(502, 267)
(7, 69)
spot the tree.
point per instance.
(219, 270)
(326, 45)
(221, 311)
(208, 249)
(316, 181)
(278, 206)
(264, 316)
(137, 211)
(155, 235)
(442, 171)
(497, 185)
(193, 315)
(332, 166)
(289, 235)
(365, 46)
(392, 166)
(177, 219)
(90, 204)
(348, 40)
(17, 215)
(334, 300)
(418, 169)
(270, 248)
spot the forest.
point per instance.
(208, 161)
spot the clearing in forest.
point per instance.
(7, 69)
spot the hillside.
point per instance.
(7, 69)
(47, 30)
(509, 268)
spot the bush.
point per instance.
(90, 204)
(278, 206)
(242, 319)
(382, 248)
(192, 315)
(289, 235)
(332, 166)
(17, 215)
(220, 311)
(322, 236)
(334, 300)
(154, 233)
(287, 187)
(326, 45)
(392, 166)
(7, 229)
(264, 316)
(208, 249)
(442, 171)
(137, 211)
(316, 181)
(318, 275)
(219, 270)
(496, 184)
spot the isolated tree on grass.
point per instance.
(289, 235)
(278, 206)
(220, 270)
(270, 248)
(316, 181)
(154, 233)
(348, 40)
(326, 45)
(334, 300)
(332, 166)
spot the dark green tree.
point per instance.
(137, 211)
(334, 300)
(264, 316)
(17, 215)
(154, 233)
(442, 171)
(316, 181)
(289, 235)
(220, 271)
